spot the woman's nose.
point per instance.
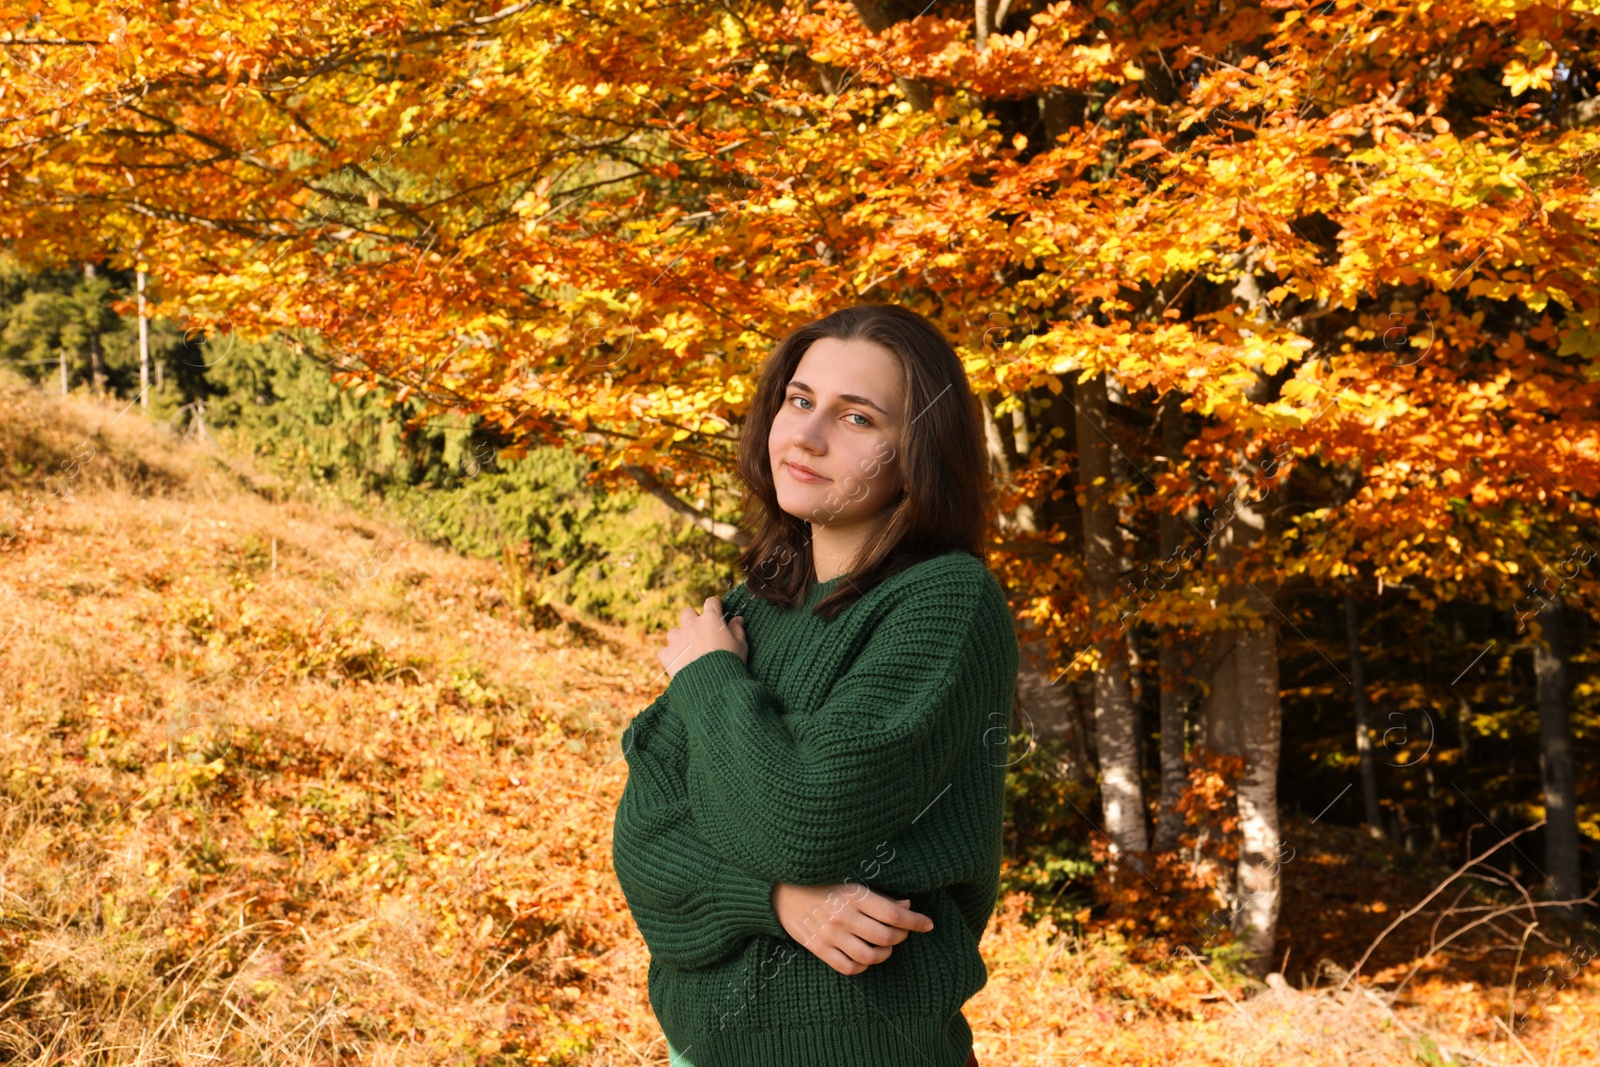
(808, 433)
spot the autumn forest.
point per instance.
(371, 377)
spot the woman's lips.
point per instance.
(804, 474)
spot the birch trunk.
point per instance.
(1115, 716)
(1255, 922)
(144, 347)
(1243, 717)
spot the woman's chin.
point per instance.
(801, 505)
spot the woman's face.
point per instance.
(835, 442)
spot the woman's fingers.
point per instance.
(864, 952)
(879, 921)
(895, 913)
(850, 955)
(883, 934)
(848, 926)
(875, 931)
(839, 961)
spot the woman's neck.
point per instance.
(834, 547)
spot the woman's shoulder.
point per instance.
(949, 606)
(957, 568)
(954, 582)
(955, 573)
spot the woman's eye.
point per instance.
(797, 396)
(864, 420)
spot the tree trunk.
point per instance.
(1047, 706)
(1243, 717)
(1050, 711)
(1358, 683)
(97, 361)
(1174, 762)
(1261, 723)
(144, 348)
(878, 17)
(1115, 717)
(1435, 834)
(1463, 709)
(1170, 668)
(1555, 759)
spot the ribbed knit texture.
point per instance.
(871, 748)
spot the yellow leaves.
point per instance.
(1532, 70)
(468, 729)
(181, 778)
(1300, 390)
(408, 119)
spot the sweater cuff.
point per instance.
(746, 902)
(699, 684)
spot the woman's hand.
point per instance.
(846, 926)
(698, 634)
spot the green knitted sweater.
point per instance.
(870, 748)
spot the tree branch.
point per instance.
(722, 531)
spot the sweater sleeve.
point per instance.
(804, 798)
(692, 905)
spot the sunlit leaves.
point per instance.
(1365, 230)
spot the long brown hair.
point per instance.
(947, 499)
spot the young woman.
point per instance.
(810, 836)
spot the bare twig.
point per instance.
(1408, 913)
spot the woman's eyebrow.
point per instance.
(851, 397)
(861, 400)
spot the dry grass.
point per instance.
(284, 786)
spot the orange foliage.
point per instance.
(1166, 899)
(591, 223)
